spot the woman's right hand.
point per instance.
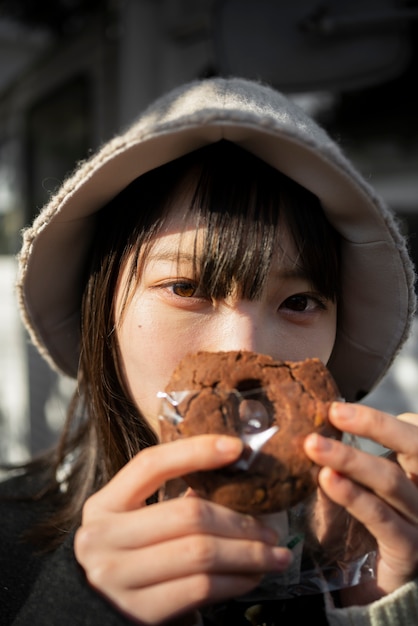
(165, 560)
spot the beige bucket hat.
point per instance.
(377, 276)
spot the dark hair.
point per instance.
(243, 203)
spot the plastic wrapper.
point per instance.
(331, 549)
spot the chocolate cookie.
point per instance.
(271, 405)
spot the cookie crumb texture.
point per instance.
(245, 394)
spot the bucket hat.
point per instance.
(377, 275)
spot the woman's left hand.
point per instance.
(378, 492)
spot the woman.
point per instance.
(223, 219)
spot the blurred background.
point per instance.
(75, 72)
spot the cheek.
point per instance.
(317, 342)
(149, 350)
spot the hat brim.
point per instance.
(377, 276)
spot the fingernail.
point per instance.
(283, 557)
(342, 410)
(229, 445)
(316, 442)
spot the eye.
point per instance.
(184, 289)
(304, 302)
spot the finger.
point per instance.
(199, 553)
(396, 537)
(411, 418)
(188, 516)
(150, 468)
(180, 596)
(409, 462)
(377, 474)
(399, 434)
(385, 429)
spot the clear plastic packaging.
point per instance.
(331, 549)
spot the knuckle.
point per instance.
(193, 512)
(101, 573)
(202, 553)
(146, 461)
(99, 567)
(81, 543)
(86, 539)
(394, 476)
(380, 515)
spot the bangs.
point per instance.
(245, 209)
(237, 208)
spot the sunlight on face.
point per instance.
(168, 315)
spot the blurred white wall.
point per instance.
(13, 380)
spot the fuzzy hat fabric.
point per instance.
(378, 299)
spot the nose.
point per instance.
(242, 327)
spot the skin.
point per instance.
(166, 560)
(381, 494)
(166, 319)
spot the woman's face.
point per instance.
(166, 317)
